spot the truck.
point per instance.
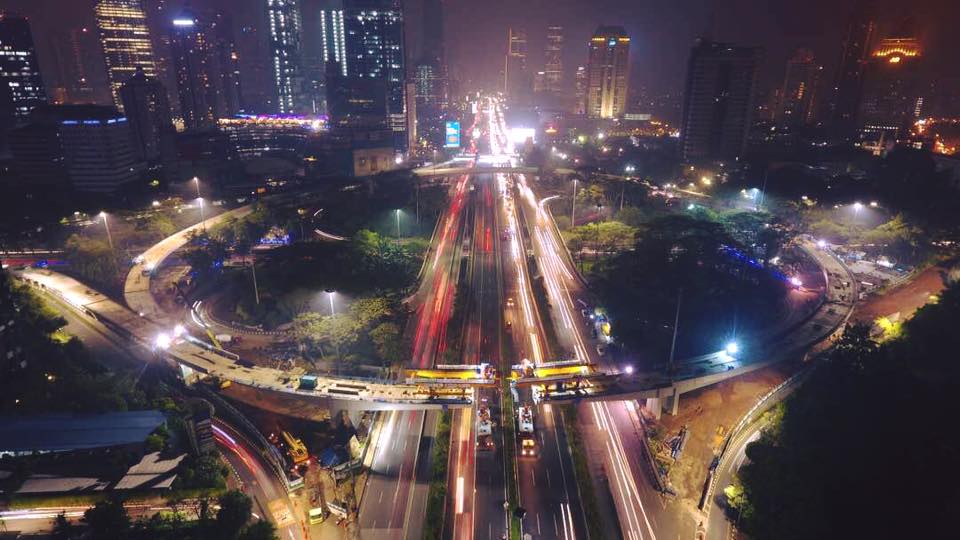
(525, 431)
(484, 429)
(308, 382)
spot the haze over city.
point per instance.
(444, 269)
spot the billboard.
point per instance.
(452, 137)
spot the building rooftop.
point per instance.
(66, 432)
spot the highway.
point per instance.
(394, 499)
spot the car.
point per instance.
(510, 301)
(601, 349)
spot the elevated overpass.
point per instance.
(260, 386)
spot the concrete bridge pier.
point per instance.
(672, 404)
(348, 417)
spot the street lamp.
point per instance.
(732, 348)
(196, 182)
(203, 221)
(107, 227)
(398, 226)
(330, 293)
(857, 206)
(573, 206)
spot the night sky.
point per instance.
(661, 30)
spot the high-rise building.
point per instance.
(608, 72)
(848, 80)
(580, 91)
(21, 87)
(430, 75)
(283, 18)
(891, 100)
(797, 99)
(147, 109)
(332, 34)
(87, 147)
(718, 100)
(375, 64)
(125, 40)
(191, 47)
(553, 61)
(205, 62)
(517, 79)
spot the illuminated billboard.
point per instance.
(452, 137)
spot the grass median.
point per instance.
(437, 495)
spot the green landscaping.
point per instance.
(866, 447)
(437, 493)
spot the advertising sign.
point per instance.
(452, 138)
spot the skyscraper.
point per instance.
(332, 34)
(845, 96)
(204, 61)
(891, 100)
(517, 79)
(580, 91)
(147, 109)
(21, 87)
(717, 100)
(796, 105)
(608, 72)
(553, 60)
(125, 41)
(430, 74)
(283, 18)
(191, 47)
(375, 63)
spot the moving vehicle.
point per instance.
(484, 429)
(525, 431)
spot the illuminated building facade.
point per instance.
(796, 105)
(608, 72)
(580, 91)
(125, 41)
(207, 74)
(332, 35)
(283, 18)
(375, 72)
(266, 135)
(891, 100)
(553, 60)
(517, 80)
(21, 87)
(718, 101)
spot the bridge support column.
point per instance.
(673, 402)
(654, 405)
(348, 417)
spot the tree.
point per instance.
(259, 530)
(62, 528)
(341, 331)
(92, 259)
(369, 310)
(108, 520)
(235, 508)
(160, 225)
(307, 329)
(387, 340)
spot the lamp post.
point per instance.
(596, 250)
(857, 206)
(330, 293)
(573, 205)
(107, 227)
(398, 227)
(203, 224)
